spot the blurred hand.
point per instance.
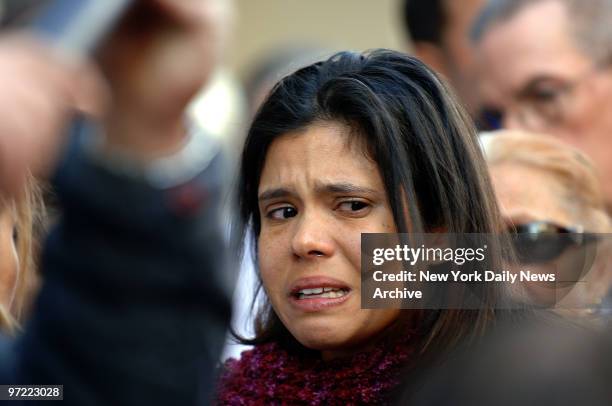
(40, 93)
(162, 53)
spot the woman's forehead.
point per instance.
(320, 152)
(325, 139)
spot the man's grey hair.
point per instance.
(590, 21)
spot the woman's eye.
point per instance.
(353, 206)
(282, 213)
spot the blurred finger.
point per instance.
(90, 93)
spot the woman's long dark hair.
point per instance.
(423, 142)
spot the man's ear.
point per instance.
(432, 55)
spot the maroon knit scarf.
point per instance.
(271, 375)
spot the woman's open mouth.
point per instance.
(326, 292)
(318, 293)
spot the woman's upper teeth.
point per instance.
(316, 291)
(322, 293)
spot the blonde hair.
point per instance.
(30, 213)
(572, 170)
(582, 195)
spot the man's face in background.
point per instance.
(453, 57)
(535, 77)
(458, 50)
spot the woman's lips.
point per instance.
(316, 293)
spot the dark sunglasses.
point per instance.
(540, 241)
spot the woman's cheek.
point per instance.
(353, 246)
(352, 237)
(270, 265)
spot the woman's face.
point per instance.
(526, 194)
(9, 262)
(317, 194)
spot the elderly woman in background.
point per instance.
(545, 186)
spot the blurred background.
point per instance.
(267, 25)
(264, 40)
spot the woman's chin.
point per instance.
(321, 337)
(332, 347)
(339, 330)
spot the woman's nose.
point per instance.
(312, 238)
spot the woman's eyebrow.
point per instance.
(344, 187)
(274, 193)
(334, 188)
